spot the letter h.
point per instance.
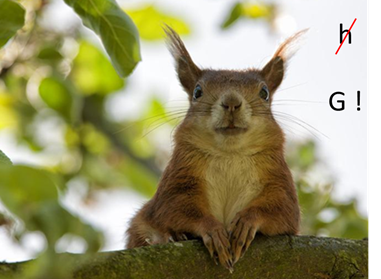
(342, 32)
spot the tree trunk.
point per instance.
(291, 257)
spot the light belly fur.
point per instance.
(231, 183)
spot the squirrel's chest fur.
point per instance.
(231, 183)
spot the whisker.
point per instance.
(161, 115)
(297, 101)
(198, 101)
(289, 129)
(294, 86)
(143, 120)
(173, 129)
(175, 117)
(179, 114)
(282, 118)
(311, 130)
(293, 119)
(305, 123)
(165, 122)
(158, 126)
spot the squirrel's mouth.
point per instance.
(231, 130)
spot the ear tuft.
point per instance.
(291, 45)
(187, 70)
(274, 70)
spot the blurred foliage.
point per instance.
(4, 160)
(33, 197)
(11, 19)
(322, 214)
(44, 84)
(55, 87)
(90, 64)
(62, 99)
(117, 31)
(249, 10)
(150, 20)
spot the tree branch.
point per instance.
(95, 104)
(293, 257)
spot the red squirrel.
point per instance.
(227, 178)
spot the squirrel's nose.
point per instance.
(231, 103)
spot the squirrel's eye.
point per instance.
(197, 92)
(264, 94)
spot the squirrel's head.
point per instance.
(230, 108)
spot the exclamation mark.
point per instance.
(358, 100)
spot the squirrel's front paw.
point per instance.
(242, 231)
(217, 242)
(177, 236)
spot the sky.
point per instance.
(314, 73)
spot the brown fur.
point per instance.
(203, 143)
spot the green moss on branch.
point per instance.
(291, 257)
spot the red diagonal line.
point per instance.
(346, 35)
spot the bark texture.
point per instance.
(291, 257)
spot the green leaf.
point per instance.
(117, 31)
(93, 73)
(235, 13)
(8, 117)
(149, 21)
(249, 10)
(256, 11)
(57, 95)
(22, 187)
(12, 18)
(32, 196)
(4, 160)
(50, 53)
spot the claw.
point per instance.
(211, 254)
(171, 239)
(217, 243)
(244, 249)
(230, 232)
(215, 257)
(230, 263)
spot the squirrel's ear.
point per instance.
(273, 73)
(274, 70)
(187, 71)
